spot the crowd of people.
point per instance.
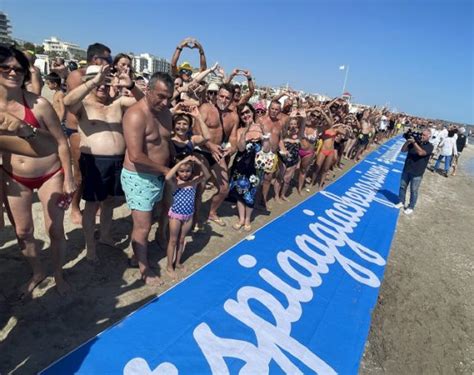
(160, 141)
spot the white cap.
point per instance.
(93, 70)
(213, 87)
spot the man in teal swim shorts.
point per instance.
(147, 129)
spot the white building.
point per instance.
(146, 63)
(5, 38)
(65, 49)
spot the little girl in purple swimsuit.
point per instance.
(183, 181)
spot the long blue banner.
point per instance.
(295, 298)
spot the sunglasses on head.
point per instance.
(8, 69)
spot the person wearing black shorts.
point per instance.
(101, 176)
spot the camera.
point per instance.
(412, 134)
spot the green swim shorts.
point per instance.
(142, 190)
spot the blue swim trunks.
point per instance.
(142, 190)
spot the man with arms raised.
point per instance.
(102, 147)
(222, 124)
(147, 129)
(240, 99)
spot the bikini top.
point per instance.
(184, 150)
(264, 135)
(330, 133)
(290, 141)
(311, 138)
(30, 117)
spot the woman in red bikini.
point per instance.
(50, 175)
(326, 155)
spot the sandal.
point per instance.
(247, 228)
(218, 221)
(237, 226)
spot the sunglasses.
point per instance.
(8, 69)
(108, 59)
(186, 71)
(246, 112)
(212, 92)
(260, 111)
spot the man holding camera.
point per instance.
(419, 152)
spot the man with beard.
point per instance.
(222, 124)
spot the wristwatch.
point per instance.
(32, 135)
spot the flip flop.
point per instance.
(237, 226)
(218, 221)
(247, 228)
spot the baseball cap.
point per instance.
(213, 87)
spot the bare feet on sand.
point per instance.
(151, 278)
(181, 267)
(76, 217)
(171, 273)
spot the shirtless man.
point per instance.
(286, 110)
(364, 135)
(147, 130)
(273, 124)
(102, 147)
(97, 54)
(222, 124)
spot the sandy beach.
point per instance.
(424, 319)
(422, 323)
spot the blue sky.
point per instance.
(414, 55)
